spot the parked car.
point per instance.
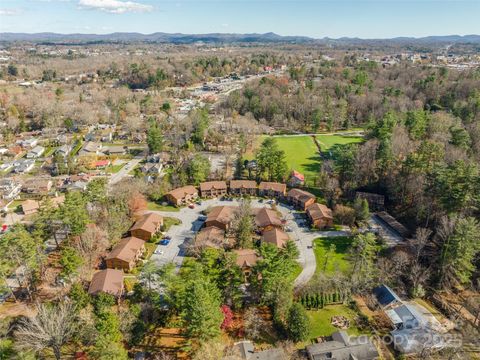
(288, 229)
(164, 242)
(159, 252)
(191, 206)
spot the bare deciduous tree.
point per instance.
(51, 328)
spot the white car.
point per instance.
(159, 252)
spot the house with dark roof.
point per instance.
(414, 327)
(386, 297)
(245, 350)
(343, 347)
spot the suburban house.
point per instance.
(266, 219)
(246, 351)
(109, 281)
(343, 347)
(213, 189)
(28, 143)
(36, 152)
(10, 188)
(300, 199)
(183, 195)
(37, 186)
(221, 217)
(23, 166)
(275, 236)
(116, 150)
(125, 254)
(320, 216)
(151, 168)
(30, 207)
(210, 236)
(272, 189)
(246, 260)
(296, 179)
(147, 226)
(90, 148)
(243, 187)
(414, 327)
(63, 150)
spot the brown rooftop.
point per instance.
(127, 249)
(266, 217)
(279, 187)
(213, 185)
(210, 236)
(30, 205)
(180, 193)
(319, 211)
(300, 195)
(246, 257)
(276, 237)
(243, 184)
(148, 222)
(108, 281)
(222, 214)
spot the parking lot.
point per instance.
(182, 234)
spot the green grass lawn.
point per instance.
(327, 141)
(320, 321)
(113, 169)
(337, 261)
(154, 206)
(169, 222)
(295, 271)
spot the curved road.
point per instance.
(301, 234)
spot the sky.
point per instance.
(314, 18)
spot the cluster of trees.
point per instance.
(318, 301)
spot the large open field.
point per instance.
(302, 154)
(327, 141)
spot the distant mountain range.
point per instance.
(177, 38)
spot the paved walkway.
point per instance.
(301, 234)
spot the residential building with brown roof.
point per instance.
(30, 207)
(320, 215)
(272, 189)
(275, 236)
(109, 281)
(147, 226)
(221, 217)
(183, 195)
(301, 199)
(213, 189)
(212, 237)
(125, 254)
(246, 259)
(266, 219)
(243, 187)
